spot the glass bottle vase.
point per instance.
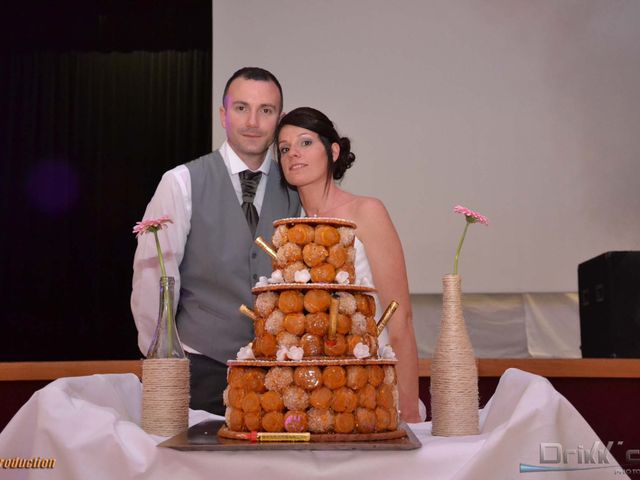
(165, 342)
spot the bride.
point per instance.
(312, 157)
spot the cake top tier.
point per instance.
(312, 251)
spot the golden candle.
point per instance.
(266, 247)
(283, 437)
(333, 318)
(248, 312)
(386, 316)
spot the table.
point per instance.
(90, 426)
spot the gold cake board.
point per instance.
(204, 437)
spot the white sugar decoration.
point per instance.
(358, 324)
(262, 282)
(281, 354)
(302, 276)
(342, 277)
(295, 353)
(246, 353)
(388, 353)
(276, 277)
(347, 235)
(274, 322)
(347, 305)
(279, 236)
(361, 351)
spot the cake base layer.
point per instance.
(224, 432)
(203, 437)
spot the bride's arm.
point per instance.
(386, 258)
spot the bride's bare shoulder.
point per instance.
(369, 212)
(368, 206)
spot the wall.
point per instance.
(526, 111)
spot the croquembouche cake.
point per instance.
(314, 366)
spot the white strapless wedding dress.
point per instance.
(363, 270)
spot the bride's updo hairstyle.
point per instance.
(316, 121)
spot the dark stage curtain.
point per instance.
(84, 141)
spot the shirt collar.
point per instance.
(237, 165)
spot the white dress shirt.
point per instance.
(173, 198)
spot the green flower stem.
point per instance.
(167, 296)
(455, 262)
(169, 306)
(162, 269)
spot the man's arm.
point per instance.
(173, 198)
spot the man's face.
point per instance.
(250, 115)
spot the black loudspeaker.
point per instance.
(609, 286)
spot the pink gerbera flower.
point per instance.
(471, 217)
(152, 225)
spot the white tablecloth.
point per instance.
(90, 426)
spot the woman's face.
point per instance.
(303, 156)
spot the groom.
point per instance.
(219, 204)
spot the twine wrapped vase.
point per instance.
(165, 396)
(454, 374)
(165, 374)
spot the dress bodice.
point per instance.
(363, 270)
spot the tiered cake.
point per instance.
(315, 364)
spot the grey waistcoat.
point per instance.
(221, 263)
